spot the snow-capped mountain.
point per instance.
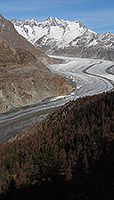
(62, 37)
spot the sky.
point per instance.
(97, 15)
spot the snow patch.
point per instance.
(93, 43)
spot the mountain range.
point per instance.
(62, 37)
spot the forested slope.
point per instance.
(74, 146)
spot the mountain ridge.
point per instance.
(62, 37)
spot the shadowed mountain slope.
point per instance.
(74, 143)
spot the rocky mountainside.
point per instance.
(15, 40)
(29, 83)
(10, 56)
(24, 79)
(8, 33)
(62, 37)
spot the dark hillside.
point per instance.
(68, 155)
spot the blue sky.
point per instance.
(97, 15)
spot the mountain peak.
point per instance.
(1, 17)
(51, 19)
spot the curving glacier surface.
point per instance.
(87, 76)
(90, 76)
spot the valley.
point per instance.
(87, 76)
(57, 100)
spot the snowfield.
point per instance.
(63, 37)
(58, 30)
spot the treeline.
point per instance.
(76, 139)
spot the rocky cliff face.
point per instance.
(24, 79)
(62, 37)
